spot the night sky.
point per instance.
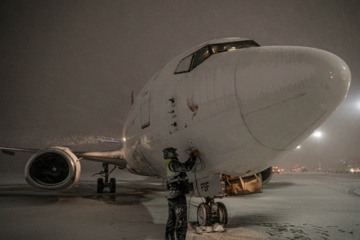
(68, 67)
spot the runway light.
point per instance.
(298, 147)
(124, 139)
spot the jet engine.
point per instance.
(266, 175)
(55, 168)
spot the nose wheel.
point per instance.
(210, 213)
(104, 182)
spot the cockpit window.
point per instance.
(224, 47)
(200, 56)
(184, 65)
(188, 63)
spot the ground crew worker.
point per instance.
(177, 186)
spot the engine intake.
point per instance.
(54, 168)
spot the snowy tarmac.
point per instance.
(293, 206)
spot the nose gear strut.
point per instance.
(104, 181)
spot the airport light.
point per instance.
(298, 147)
(317, 134)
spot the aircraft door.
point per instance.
(145, 103)
(145, 109)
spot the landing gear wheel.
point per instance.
(222, 214)
(112, 185)
(104, 182)
(100, 185)
(203, 214)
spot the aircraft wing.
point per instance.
(110, 157)
(11, 150)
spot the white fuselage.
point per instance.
(241, 109)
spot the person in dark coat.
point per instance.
(177, 186)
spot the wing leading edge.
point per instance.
(112, 157)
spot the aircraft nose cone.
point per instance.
(285, 93)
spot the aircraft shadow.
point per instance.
(249, 220)
(23, 195)
(278, 185)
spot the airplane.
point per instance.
(242, 105)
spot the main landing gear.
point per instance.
(210, 212)
(104, 181)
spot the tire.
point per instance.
(100, 185)
(203, 215)
(112, 185)
(222, 214)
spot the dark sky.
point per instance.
(67, 68)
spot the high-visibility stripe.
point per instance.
(168, 172)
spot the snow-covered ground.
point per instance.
(293, 206)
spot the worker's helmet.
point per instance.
(170, 153)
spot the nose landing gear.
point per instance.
(210, 213)
(104, 182)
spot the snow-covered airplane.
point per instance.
(241, 105)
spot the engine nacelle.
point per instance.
(54, 168)
(267, 175)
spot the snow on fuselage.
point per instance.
(242, 108)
